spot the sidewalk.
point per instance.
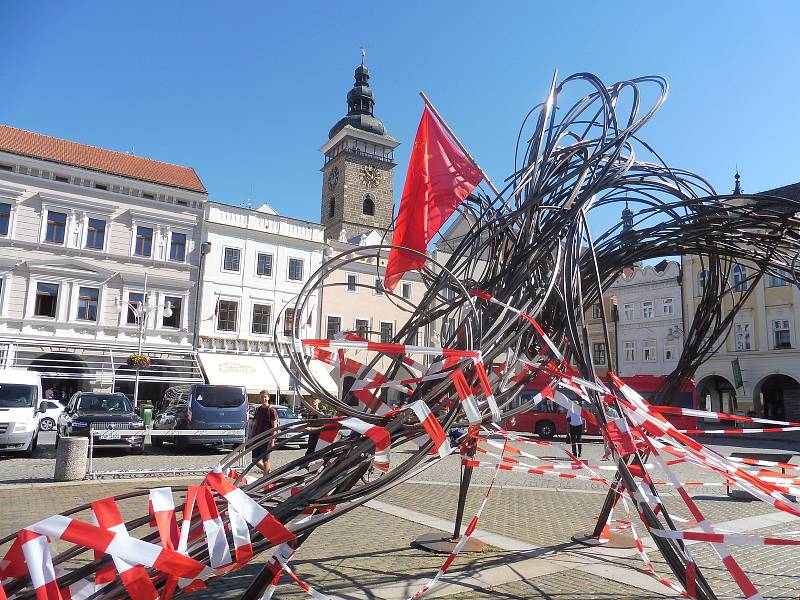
(367, 553)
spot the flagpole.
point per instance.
(461, 146)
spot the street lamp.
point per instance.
(141, 310)
(675, 333)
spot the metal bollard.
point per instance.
(71, 458)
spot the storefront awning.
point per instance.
(280, 376)
(322, 373)
(238, 369)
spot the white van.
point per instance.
(20, 395)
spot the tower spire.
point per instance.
(737, 188)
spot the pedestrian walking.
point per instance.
(575, 428)
(313, 432)
(266, 418)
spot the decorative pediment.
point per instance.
(67, 267)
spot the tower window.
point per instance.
(369, 206)
(331, 207)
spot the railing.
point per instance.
(110, 434)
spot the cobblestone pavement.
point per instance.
(367, 553)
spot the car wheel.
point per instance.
(47, 424)
(180, 444)
(546, 430)
(138, 450)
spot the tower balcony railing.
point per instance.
(389, 158)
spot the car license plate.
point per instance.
(109, 434)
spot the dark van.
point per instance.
(200, 406)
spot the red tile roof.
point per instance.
(36, 145)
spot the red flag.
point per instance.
(439, 178)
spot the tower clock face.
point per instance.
(370, 176)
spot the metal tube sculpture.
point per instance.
(515, 284)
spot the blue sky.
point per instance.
(246, 92)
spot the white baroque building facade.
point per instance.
(256, 264)
(649, 328)
(84, 230)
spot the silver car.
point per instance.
(286, 417)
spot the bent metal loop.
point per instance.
(506, 293)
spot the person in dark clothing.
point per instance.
(266, 418)
(313, 432)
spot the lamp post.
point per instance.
(141, 310)
(205, 248)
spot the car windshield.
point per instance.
(103, 403)
(220, 396)
(16, 395)
(285, 413)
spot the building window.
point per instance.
(333, 326)
(629, 352)
(647, 309)
(628, 311)
(739, 278)
(227, 312)
(405, 288)
(137, 299)
(667, 307)
(262, 319)
(87, 303)
(96, 234)
(369, 206)
(100, 186)
(264, 264)
(56, 227)
(177, 247)
(597, 310)
(599, 353)
(387, 332)
(649, 351)
(5, 218)
(295, 269)
(331, 207)
(144, 241)
(780, 333)
(670, 351)
(46, 300)
(378, 289)
(448, 329)
(352, 282)
(362, 327)
(702, 278)
(288, 322)
(741, 337)
(230, 259)
(174, 320)
(780, 279)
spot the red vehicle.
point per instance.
(547, 419)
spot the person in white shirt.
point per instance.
(575, 428)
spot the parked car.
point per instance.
(201, 407)
(20, 393)
(105, 414)
(286, 417)
(51, 410)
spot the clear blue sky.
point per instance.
(246, 92)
